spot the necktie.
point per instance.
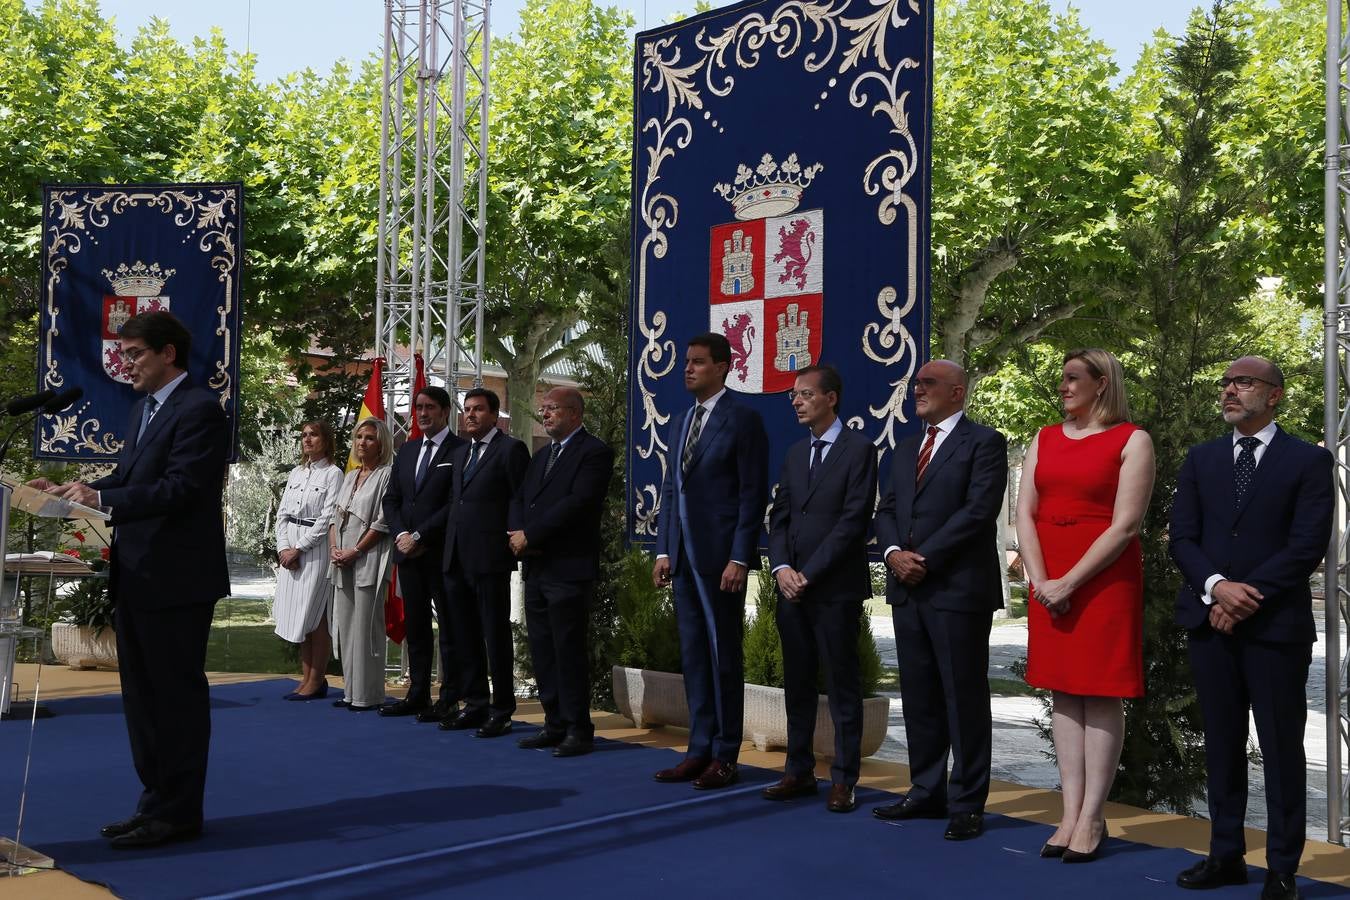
(148, 413)
(925, 454)
(1245, 468)
(554, 452)
(428, 451)
(817, 452)
(695, 430)
(473, 456)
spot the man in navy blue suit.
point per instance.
(712, 512)
(416, 504)
(937, 523)
(1250, 523)
(167, 571)
(818, 551)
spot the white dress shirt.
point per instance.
(1265, 436)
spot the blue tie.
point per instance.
(147, 414)
(428, 451)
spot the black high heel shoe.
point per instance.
(1052, 851)
(1073, 856)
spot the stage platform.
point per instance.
(305, 800)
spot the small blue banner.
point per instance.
(110, 252)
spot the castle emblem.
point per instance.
(136, 289)
(765, 279)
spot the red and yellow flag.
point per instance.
(419, 382)
(372, 404)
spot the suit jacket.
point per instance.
(716, 510)
(1274, 541)
(480, 500)
(560, 514)
(820, 528)
(410, 508)
(950, 519)
(165, 496)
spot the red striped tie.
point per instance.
(925, 454)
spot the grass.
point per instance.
(243, 639)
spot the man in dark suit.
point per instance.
(415, 506)
(818, 553)
(938, 524)
(1250, 523)
(166, 573)
(555, 530)
(712, 511)
(478, 564)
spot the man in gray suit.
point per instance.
(938, 523)
(818, 554)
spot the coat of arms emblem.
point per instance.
(136, 289)
(765, 276)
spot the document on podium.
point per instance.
(41, 503)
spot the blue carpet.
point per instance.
(305, 800)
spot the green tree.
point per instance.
(558, 178)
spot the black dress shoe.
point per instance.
(496, 726)
(1052, 851)
(964, 825)
(344, 702)
(403, 708)
(1071, 855)
(113, 829)
(153, 832)
(465, 719)
(574, 746)
(356, 707)
(790, 786)
(541, 740)
(1280, 886)
(1211, 873)
(438, 712)
(909, 808)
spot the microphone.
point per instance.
(20, 405)
(62, 400)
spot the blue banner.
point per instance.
(780, 197)
(110, 252)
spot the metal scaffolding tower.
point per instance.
(433, 196)
(1336, 300)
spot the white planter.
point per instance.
(657, 698)
(76, 646)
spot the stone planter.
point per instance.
(76, 646)
(657, 698)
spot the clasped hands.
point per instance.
(1233, 602)
(908, 566)
(1054, 594)
(791, 583)
(289, 558)
(343, 557)
(77, 491)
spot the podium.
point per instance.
(18, 859)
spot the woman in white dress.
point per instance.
(361, 551)
(303, 588)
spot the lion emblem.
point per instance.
(797, 246)
(740, 332)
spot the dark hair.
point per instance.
(437, 393)
(493, 401)
(828, 378)
(325, 434)
(719, 348)
(159, 329)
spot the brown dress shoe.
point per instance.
(790, 786)
(689, 769)
(719, 774)
(841, 799)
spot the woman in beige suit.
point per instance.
(360, 550)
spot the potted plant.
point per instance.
(84, 637)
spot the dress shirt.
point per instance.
(944, 428)
(430, 444)
(829, 436)
(160, 396)
(707, 415)
(1265, 436)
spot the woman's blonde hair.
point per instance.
(381, 434)
(1112, 404)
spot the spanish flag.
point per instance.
(395, 625)
(372, 404)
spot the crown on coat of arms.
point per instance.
(138, 279)
(770, 189)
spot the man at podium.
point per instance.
(167, 571)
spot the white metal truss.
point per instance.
(433, 196)
(1336, 300)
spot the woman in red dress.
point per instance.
(1085, 486)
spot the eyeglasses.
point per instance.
(134, 353)
(805, 393)
(552, 408)
(1242, 382)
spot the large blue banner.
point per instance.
(781, 197)
(110, 252)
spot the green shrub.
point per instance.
(648, 635)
